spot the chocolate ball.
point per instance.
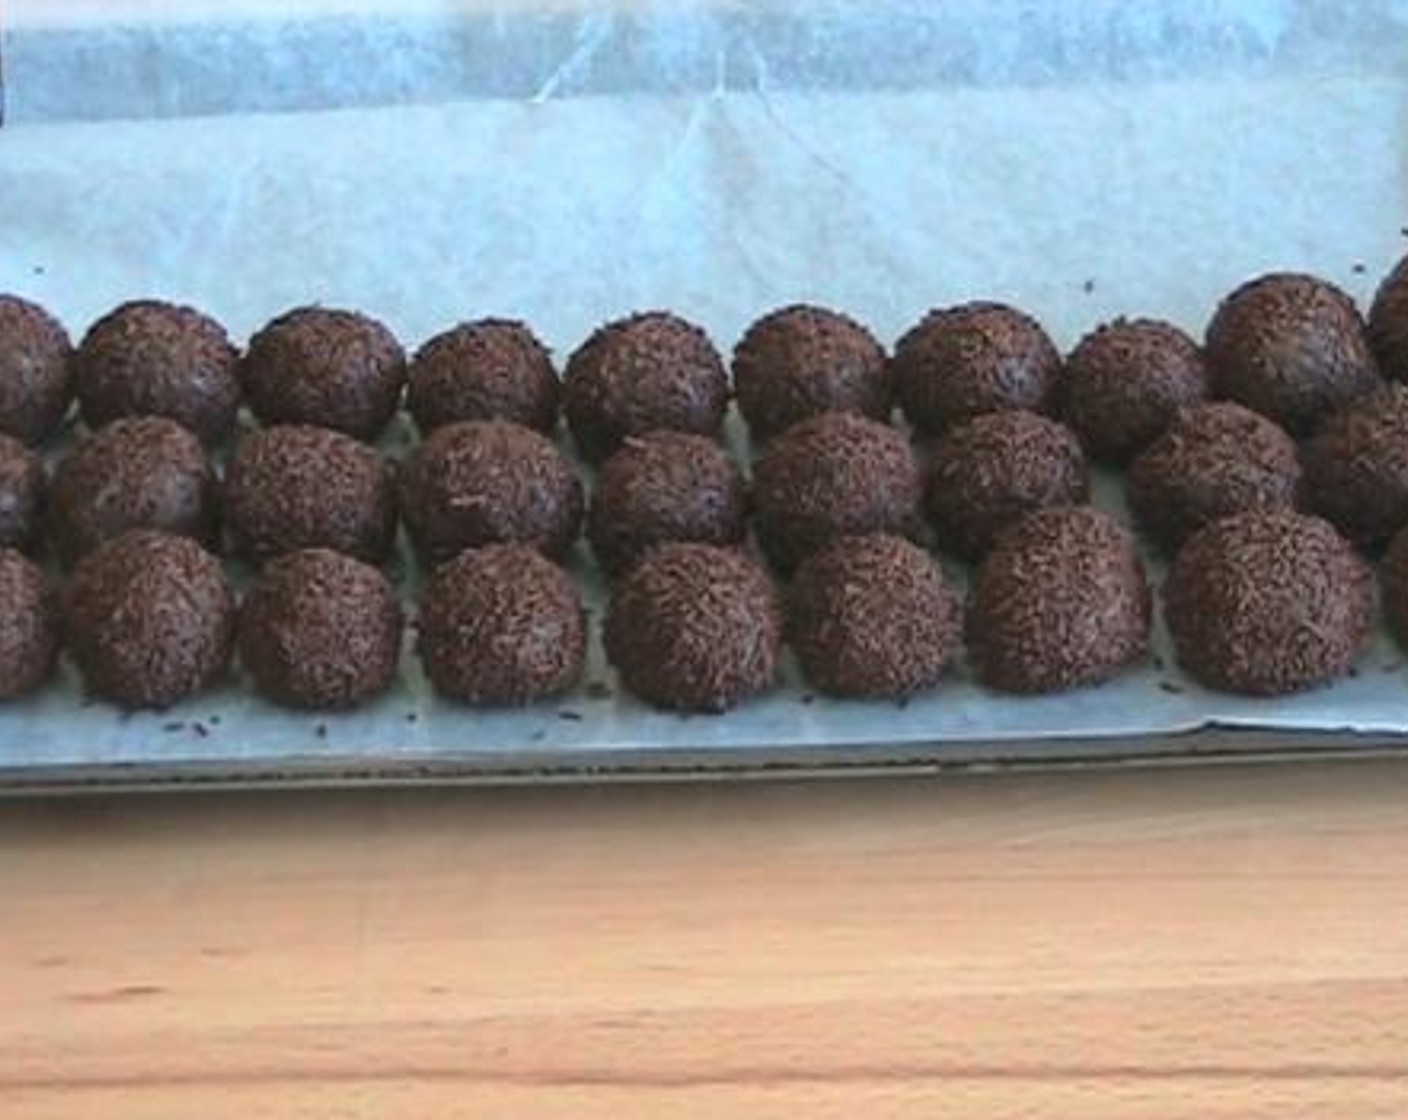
(21, 494)
(483, 482)
(320, 630)
(143, 472)
(1125, 382)
(493, 369)
(1356, 468)
(35, 370)
(800, 361)
(336, 369)
(502, 626)
(1388, 323)
(150, 619)
(962, 362)
(295, 487)
(666, 486)
(1215, 460)
(694, 627)
(150, 358)
(1060, 602)
(646, 372)
(1292, 348)
(1393, 583)
(1267, 602)
(30, 625)
(834, 475)
(873, 617)
(996, 468)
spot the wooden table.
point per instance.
(1224, 942)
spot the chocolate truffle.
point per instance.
(1356, 468)
(21, 494)
(666, 486)
(873, 617)
(149, 358)
(294, 487)
(834, 475)
(1394, 585)
(989, 472)
(493, 369)
(502, 626)
(1388, 323)
(335, 369)
(1214, 460)
(144, 472)
(1266, 603)
(646, 372)
(35, 365)
(483, 482)
(964, 361)
(1060, 602)
(150, 619)
(800, 361)
(29, 626)
(1292, 348)
(1125, 382)
(694, 627)
(320, 630)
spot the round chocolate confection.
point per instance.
(320, 630)
(1060, 602)
(1388, 323)
(30, 625)
(502, 626)
(646, 372)
(666, 486)
(21, 493)
(1266, 603)
(294, 487)
(483, 482)
(1291, 347)
(991, 471)
(149, 358)
(493, 369)
(800, 361)
(694, 627)
(1356, 468)
(150, 619)
(1125, 382)
(144, 472)
(1393, 582)
(1215, 460)
(35, 370)
(873, 617)
(336, 369)
(834, 475)
(961, 362)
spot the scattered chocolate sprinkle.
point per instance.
(570, 716)
(1170, 687)
(599, 690)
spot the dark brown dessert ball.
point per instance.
(1060, 602)
(35, 370)
(1215, 460)
(1356, 468)
(834, 475)
(964, 361)
(991, 471)
(1125, 382)
(336, 369)
(150, 619)
(694, 627)
(1388, 323)
(502, 625)
(493, 369)
(30, 625)
(320, 630)
(294, 487)
(149, 358)
(1393, 583)
(1266, 603)
(666, 486)
(650, 371)
(873, 617)
(800, 361)
(1292, 348)
(144, 472)
(21, 494)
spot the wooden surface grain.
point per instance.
(1226, 942)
